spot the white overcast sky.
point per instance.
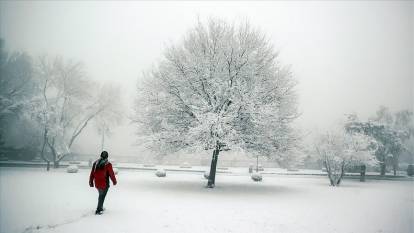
(348, 56)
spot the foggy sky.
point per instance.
(347, 56)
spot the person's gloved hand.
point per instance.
(91, 184)
(115, 182)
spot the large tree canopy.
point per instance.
(222, 84)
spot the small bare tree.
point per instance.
(222, 87)
(339, 150)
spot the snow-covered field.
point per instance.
(33, 200)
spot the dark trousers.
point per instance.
(101, 198)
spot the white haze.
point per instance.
(347, 56)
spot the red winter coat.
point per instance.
(101, 176)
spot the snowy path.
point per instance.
(34, 201)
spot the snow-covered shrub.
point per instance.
(116, 170)
(339, 150)
(160, 173)
(206, 174)
(256, 177)
(185, 165)
(72, 169)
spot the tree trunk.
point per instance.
(383, 168)
(328, 170)
(42, 153)
(395, 164)
(331, 179)
(212, 175)
(363, 170)
(338, 182)
(55, 157)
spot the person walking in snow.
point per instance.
(100, 173)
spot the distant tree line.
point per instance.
(380, 142)
(393, 133)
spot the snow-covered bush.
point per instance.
(160, 173)
(116, 170)
(256, 177)
(206, 174)
(340, 150)
(72, 169)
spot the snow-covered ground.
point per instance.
(33, 200)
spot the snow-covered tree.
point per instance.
(16, 82)
(390, 133)
(66, 103)
(340, 150)
(17, 86)
(221, 87)
(404, 124)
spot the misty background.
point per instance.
(348, 57)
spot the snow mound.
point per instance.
(256, 177)
(72, 169)
(161, 173)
